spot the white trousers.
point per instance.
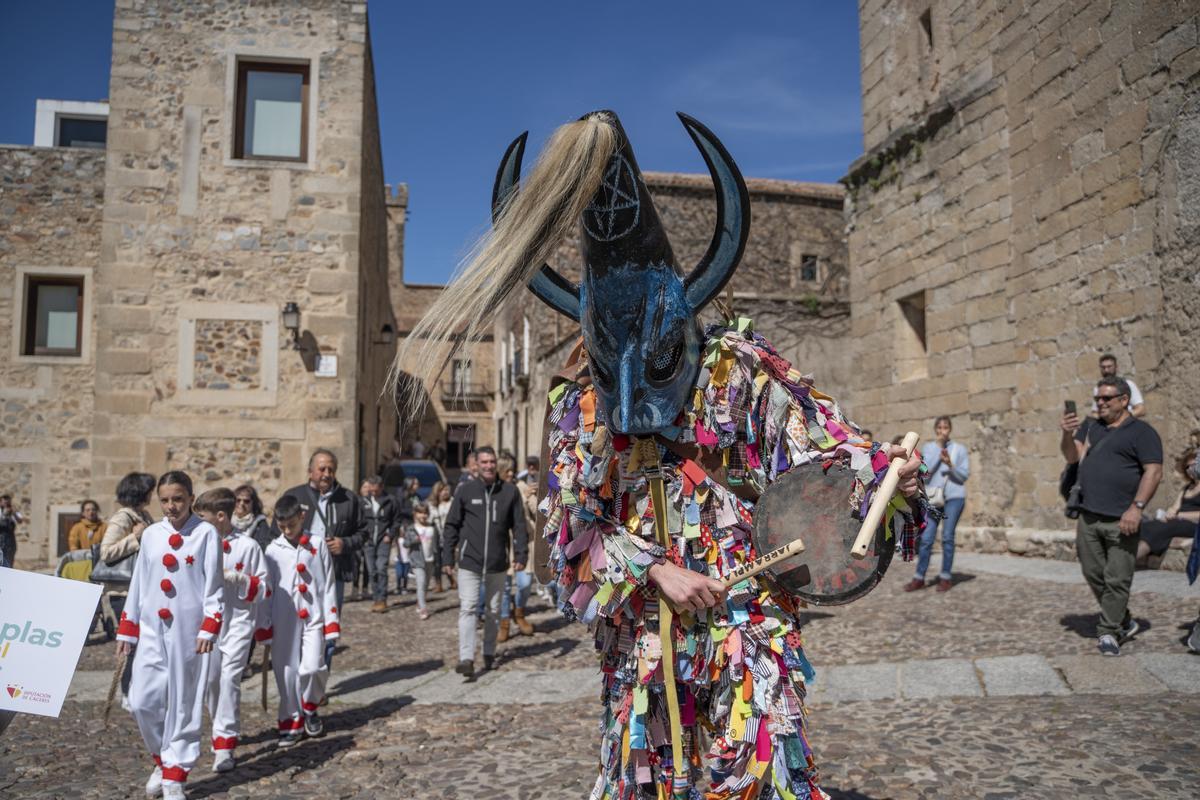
(298, 656)
(224, 697)
(468, 602)
(166, 698)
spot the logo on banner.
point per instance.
(14, 691)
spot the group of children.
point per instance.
(201, 593)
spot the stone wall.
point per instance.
(191, 233)
(807, 320)
(1022, 183)
(50, 209)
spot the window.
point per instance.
(460, 376)
(82, 132)
(272, 111)
(53, 316)
(911, 349)
(808, 268)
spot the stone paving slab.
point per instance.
(1180, 674)
(1100, 675)
(939, 677)
(1150, 581)
(1020, 675)
(856, 682)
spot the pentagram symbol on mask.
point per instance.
(614, 211)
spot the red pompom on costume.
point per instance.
(170, 561)
(176, 540)
(302, 613)
(225, 546)
(303, 588)
(166, 585)
(301, 568)
(164, 613)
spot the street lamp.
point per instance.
(387, 335)
(291, 322)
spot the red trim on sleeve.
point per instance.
(210, 625)
(157, 761)
(224, 742)
(264, 634)
(127, 628)
(177, 774)
(333, 627)
(252, 592)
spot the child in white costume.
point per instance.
(171, 618)
(297, 619)
(246, 585)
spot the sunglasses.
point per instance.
(1107, 398)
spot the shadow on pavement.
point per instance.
(307, 755)
(847, 794)
(805, 617)
(1084, 625)
(961, 577)
(563, 646)
(386, 675)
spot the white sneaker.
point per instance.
(223, 761)
(1193, 640)
(173, 790)
(154, 786)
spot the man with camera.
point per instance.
(1120, 465)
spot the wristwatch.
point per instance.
(1140, 504)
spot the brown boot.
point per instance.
(502, 636)
(522, 623)
(379, 607)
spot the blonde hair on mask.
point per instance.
(531, 224)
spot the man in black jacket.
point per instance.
(485, 513)
(331, 512)
(379, 519)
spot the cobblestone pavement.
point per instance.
(911, 701)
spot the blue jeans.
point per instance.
(953, 511)
(524, 579)
(339, 591)
(401, 577)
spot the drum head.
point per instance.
(814, 504)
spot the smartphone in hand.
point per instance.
(1069, 407)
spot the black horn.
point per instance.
(733, 218)
(551, 288)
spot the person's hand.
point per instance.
(138, 530)
(909, 485)
(518, 566)
(686, 589)
(335, 545)
(387, 540)
(1069, 423)
(448, 571)
(204, 645)
(945, 457)
(1131, 520)
(124, 648)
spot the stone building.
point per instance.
(1027, 200)
(793, 282)
(143, 286)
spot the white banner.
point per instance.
(43, 623)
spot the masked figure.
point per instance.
(651, 405)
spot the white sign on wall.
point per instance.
(326, 366)
(43, 623)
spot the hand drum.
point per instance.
(813, 503)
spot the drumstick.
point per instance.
(266, 661)
(883, 496)
(122, 657)
(752, 568)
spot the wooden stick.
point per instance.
(122, 657)
(752, 568)
(266, 660)
(883, 496)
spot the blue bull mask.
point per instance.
(637, 312)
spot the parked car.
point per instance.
(425, 471)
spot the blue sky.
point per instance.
(457, 81)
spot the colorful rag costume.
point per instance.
(705, 421)
(742, 666)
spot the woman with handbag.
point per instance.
(114, 557)
(949, 467)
